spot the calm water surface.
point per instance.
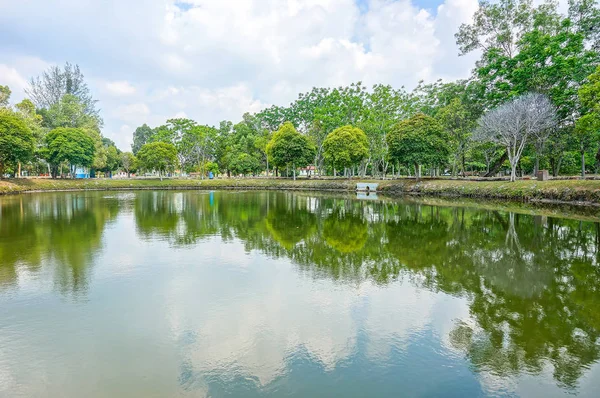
(164, 294)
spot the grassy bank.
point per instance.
(43, 184)
(569, 191)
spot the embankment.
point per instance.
(585, 192)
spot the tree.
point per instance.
(587, 129)
(458, 122)
(50, 88)
(384, 107)
(589, 93)
(288, 147)
(71, 145)
(243, 163)
(4, 96)
(418, 141)
(345, 147)
(69, 111)
(159, 156)
(16, 141)
(141, 136)
(201, 141)
(128, 162)
(514, 123)
(113, 159)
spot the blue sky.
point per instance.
(150, 60)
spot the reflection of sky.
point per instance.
(214, 319)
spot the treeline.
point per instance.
(531, 103)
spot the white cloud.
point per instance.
(119, 88)
(217, 60)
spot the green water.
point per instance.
(248, 294)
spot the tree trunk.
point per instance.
(19, 171)
(418, 171)
(536, 167)
(583, 164)
(160, 175)
(497, 165)
(294, 167)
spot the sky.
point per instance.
(150, 60)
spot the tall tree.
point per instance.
(141, 136)
(50, 88)
(345, 147)
(16, 141)
(383, 108)
(290, 148)
(459, 123)
(71, 145)
(128, 162)
(4, 96)
(587, 131)
(514, 123)
(419, 141)
(158, 156)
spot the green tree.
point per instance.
(418, 141)
(589, 93)
(113, 159)
(290, 148)
(50, 88)
(4, 96)
(587, 129)
(243, 163)
(458, 123)
(71, 145)
(383, 108)
(16, 141)
(158, 156)
(128, 162)
(141, 136)
(345, 147)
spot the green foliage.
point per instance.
(244, 164)
(71, 145)
(158, 156)
(128, 162)
(589, 93)
(16, 141)
(49, 89)
(70, 112)
(419, 140)
(4, 96)
(458, 122)
(290, 148)
(141, 136)
(345, 147)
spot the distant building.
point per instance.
(308, 170)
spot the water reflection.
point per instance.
(530, 284)
(62, 229)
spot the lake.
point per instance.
(268, 294)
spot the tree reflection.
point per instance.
(532, 282)
(62, 229)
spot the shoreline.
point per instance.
(584, 193)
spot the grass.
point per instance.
(571, 191)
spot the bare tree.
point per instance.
(515, 123)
